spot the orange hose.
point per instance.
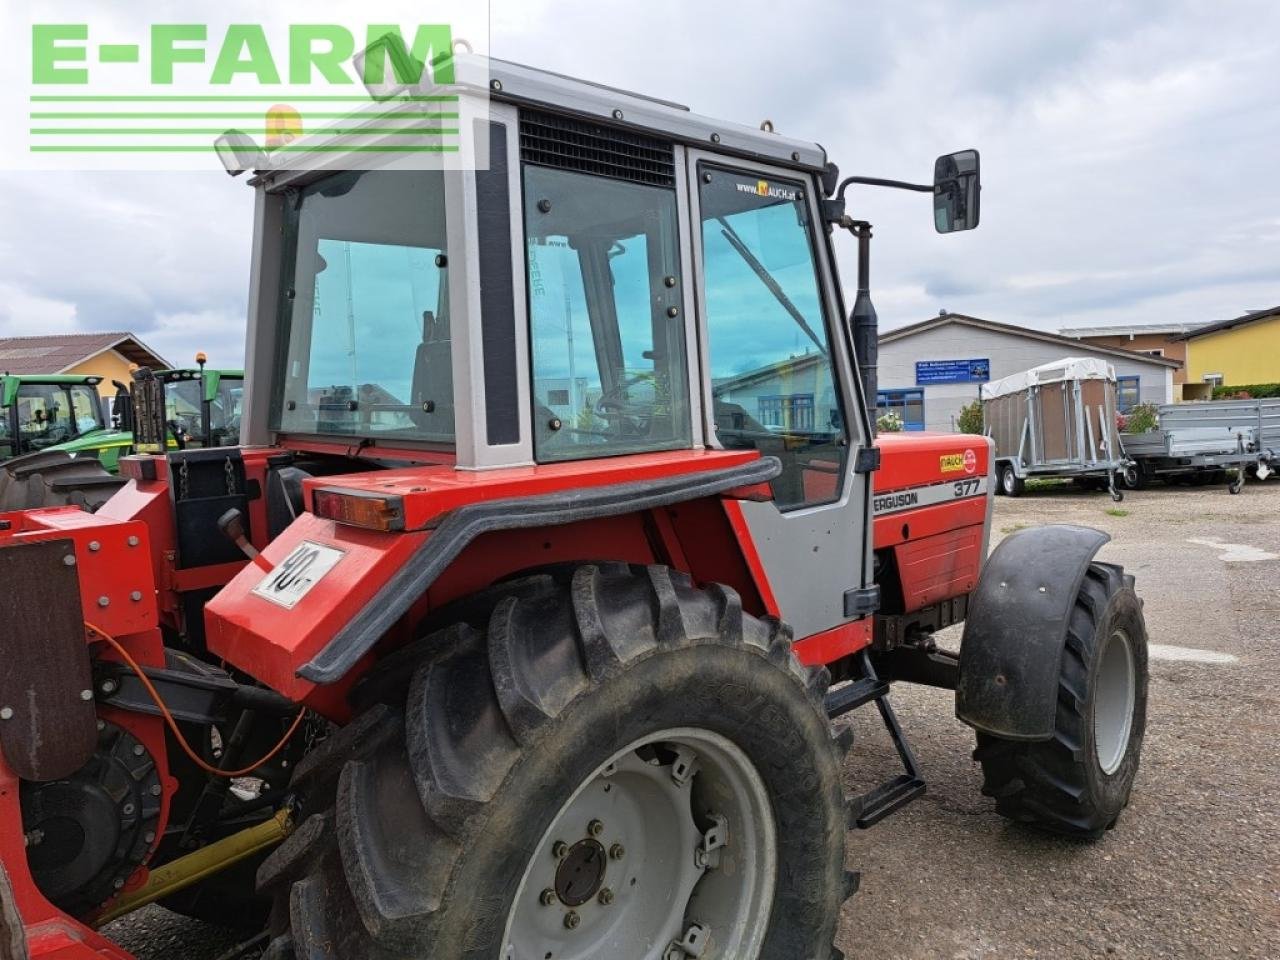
(173, 724)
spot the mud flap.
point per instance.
(1012, 647)
(48, 723)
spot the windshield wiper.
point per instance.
(768, 280)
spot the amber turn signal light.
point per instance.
(358, 509)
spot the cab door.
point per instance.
(778, 378)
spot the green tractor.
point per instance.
(64, 413)
(57, 445)
(202, 406)
(39, 413)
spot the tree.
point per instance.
(1142, 418)
(889, 422)
(970, 419)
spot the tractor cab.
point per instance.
(37, 413)
(202, 406)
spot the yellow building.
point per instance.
(105, 355)
(1233, 353)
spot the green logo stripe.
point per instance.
(215, 131)
(256, 115)
(290, 148)
(281, 98)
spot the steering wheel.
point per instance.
(621, 413)
(180, 432)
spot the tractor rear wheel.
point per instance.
(605, 763)
(1079, 781)
(55, 479)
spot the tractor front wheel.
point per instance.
(1079, 781)
(605, 763)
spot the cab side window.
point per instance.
(773, 387)
(608, 338)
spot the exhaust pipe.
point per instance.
(865, 324)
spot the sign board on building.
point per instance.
(952, 371)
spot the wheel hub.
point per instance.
(581, 873)
(668, 846)
(1114, 703)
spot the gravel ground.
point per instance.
(1193, 868)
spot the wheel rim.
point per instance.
(1008, 479)
(1113, 702)
(671, 840)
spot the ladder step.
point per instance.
(853, 695)
(886, 799)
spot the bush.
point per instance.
(970, 419)
(1248, 391)
(889, 422)
(1142, 418)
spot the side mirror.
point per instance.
(957, 190)
(239, 152)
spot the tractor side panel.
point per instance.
(931, 508)
(269, 622)
(499, 555)
(258, 634)
(939, 567)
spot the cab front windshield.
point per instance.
(366, 309)
(50, 414)
(183, 399)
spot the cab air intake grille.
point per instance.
(568, 144)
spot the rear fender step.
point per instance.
(876, 804)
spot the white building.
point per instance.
(930, 370)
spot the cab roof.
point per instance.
(523, 86)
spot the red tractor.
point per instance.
(558, 535)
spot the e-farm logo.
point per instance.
(276, 95)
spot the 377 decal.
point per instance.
(929, 496)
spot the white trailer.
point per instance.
(1055, 420)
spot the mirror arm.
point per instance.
(879, 182)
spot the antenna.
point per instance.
(351, 320)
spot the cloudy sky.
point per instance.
(1129, 153)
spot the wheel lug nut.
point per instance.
(595, 828)
(559, 849)
(606, 897)
(571, 920)
(548, 897)
(617, 851)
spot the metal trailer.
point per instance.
(1203, 440)
(1057, 420)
